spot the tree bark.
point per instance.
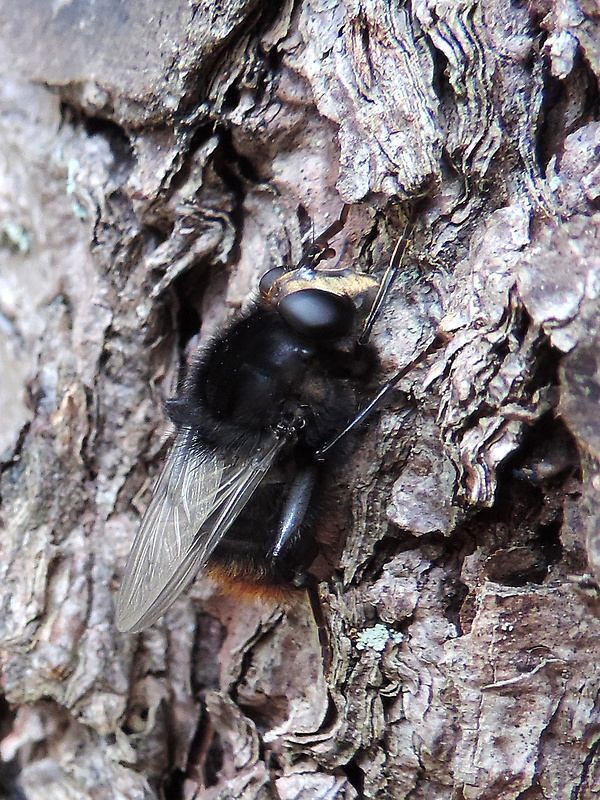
(157, 159)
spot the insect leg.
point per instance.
(294, 549)
(335, 227)
(390, 274)
(316, 606)
(295, 508)
(320, 249)
(366, 412)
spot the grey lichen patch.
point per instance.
(376, 638)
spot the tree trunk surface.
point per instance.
(156, 160)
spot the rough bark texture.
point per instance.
(157, 158)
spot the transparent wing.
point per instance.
(196, 499)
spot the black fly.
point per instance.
(264, 408)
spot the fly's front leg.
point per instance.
(295, 549)
(320, 248)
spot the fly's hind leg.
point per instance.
(295, 547)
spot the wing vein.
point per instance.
(197, 497)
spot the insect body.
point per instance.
(260, 414)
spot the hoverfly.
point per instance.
(265, 407)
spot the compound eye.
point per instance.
(318, 314)
(269, 278)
